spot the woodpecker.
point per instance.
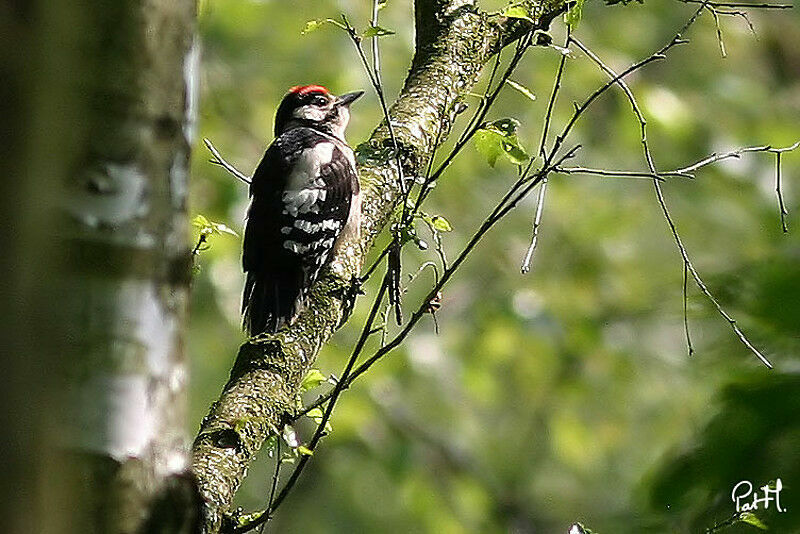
(304, 201)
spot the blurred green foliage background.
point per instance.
(566, 394)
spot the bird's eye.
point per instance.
(319, 101)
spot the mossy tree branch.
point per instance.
(454, 41)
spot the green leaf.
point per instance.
(200, 221)
(314, 25)
(441, 224)
(312, 379)
(751, 519)
(223, 228)
(302, 449)
(515, 153)
(522, 89)
(573, 16)
(500, 138)
(517, 12)
(316, 414)
(311, 26)
(489, 145)
(208, 227)
(376, 31)
(246, 519)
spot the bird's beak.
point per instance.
(348, 98)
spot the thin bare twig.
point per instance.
(713, 158)
(537, 219)
(619, 174)
(689, 346)
(761, 5)
(779, 191)
(778, 188)
(480, 115)
(275, 477)
(720, 40)
(199, 246)
(743, 15)
(662, 202)
(375, 80)
(553, 95)
(219, 160)
(581, 108)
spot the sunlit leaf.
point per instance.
(376, 31)
(441, 224)
(302, 449)
(489, 144)
(499, 138)
(208, 227)
(223, 228)
(515, 153)
(312, 379)
(573, 16)
(317, 415)
(517, 12)
(751, 519)
(246, 519)
(522, 89)
(314, 25)
(311, 26)
(200, 221)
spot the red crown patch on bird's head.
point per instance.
(303, 90)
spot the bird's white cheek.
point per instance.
(311, 113)
(339, 126)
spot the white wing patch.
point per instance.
(312, 228)
(305, 189)
(297, 248)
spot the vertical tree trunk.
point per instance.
(102, 261)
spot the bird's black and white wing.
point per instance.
(301, 197)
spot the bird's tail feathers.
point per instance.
(269, 303)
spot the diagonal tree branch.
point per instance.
(454, 41)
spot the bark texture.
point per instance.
(125, 89)
(454, 41)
